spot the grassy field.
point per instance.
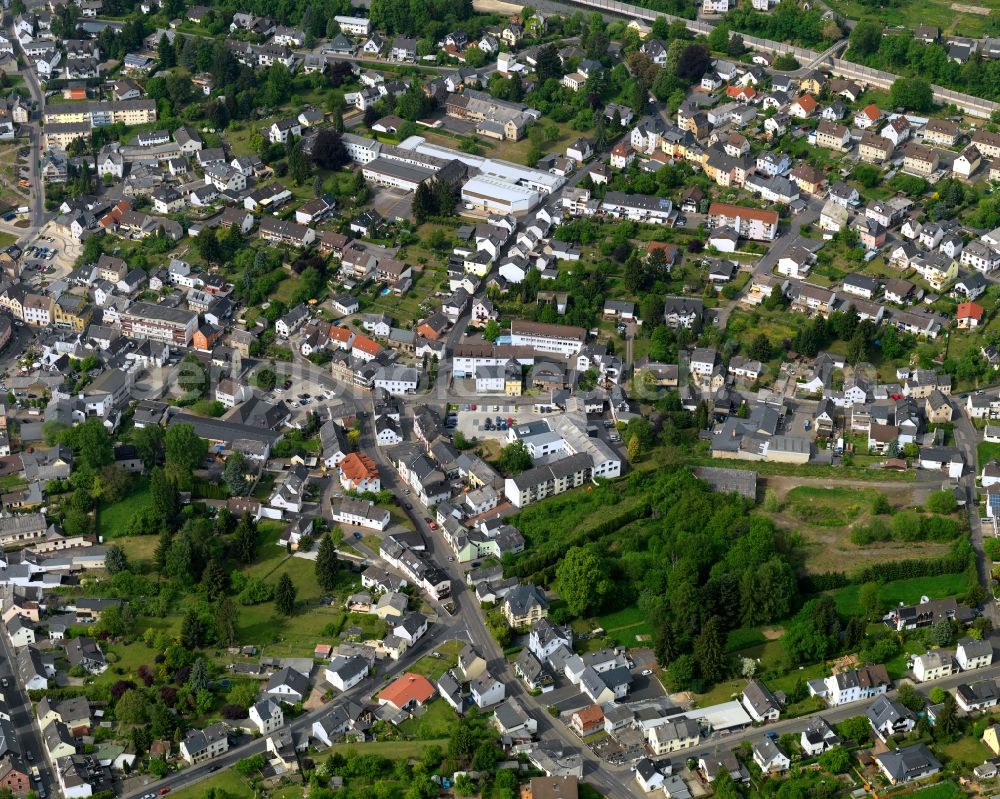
(627, 627)
(987, 451)
(436, 722)
(828, 507)
(433, 667)
(393, 749)
(113, 520)
(906, 591)
(943, 790)
(824, 516)
(910, 14)
(227, 781)
(140, 548)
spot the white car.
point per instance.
(646, 672)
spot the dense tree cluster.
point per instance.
(922, 64)
(431, 18)
(434, 198)
(788, 22)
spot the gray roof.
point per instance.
(523, 598)
(907, 764)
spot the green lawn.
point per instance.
(987, 451)
(909, 14)
(227, 782)
(113, 520)
(906, 591)
(744, 637)
(312, 622)
(12, 482)
(828, 507)
(392, 749)
(436, 722)
(943, 790)
(626, 627)
(433, 667)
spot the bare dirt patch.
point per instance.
(964, 8)
(772, 633)
(495, 7)
(826, 534)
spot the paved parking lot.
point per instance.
(473, 423)
(62, 253)
(393, 203)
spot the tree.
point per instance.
(855, 729)
(908, 697)
(118, 621)
(942, 502)
(680, 673)
(245, 539)
(870, 601)
(515, 458)
(912, 93)
(115, 559)
(692, 63)
(634, 448)
(192, 630)
(582, 581)
(165, 499)
(866, 37)
(760, 348)
(836, 760)
(548, 64)
(92, 444)
(718, 38)
(266, 379)
(184, 448)
(148, 442)
(254, 764)
(942, 633)
(215, 580)
(180, 559)
(814, 632)
(198, 681)
(131, 708)
(235, 475)
(328, 151)
(492, 331)
(327, 565)
(284, 595)
(298, 164)
(226, 616)
(710, 651)
(868, 175)
(946, 724)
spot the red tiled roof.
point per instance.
(970, 310)
(357, 467)
(408, 688)
(807, 102)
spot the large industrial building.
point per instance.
(395, 174)
(493, 186)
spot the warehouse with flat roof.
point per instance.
(493, 195)
(396, 174)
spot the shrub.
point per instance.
(256, 592)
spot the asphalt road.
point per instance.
(370, 685)
(26, 729)
(37, 204)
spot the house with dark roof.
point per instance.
(908, 765)
(759, 702)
